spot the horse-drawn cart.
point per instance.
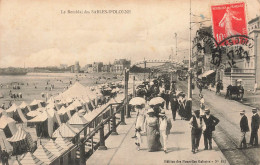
(235, 90)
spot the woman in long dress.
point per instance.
(139, 126)
(153, 133)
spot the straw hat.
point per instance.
(150, 111)
(162, 113)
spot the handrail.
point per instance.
(97, 126)
(95, 118)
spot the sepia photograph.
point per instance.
(134, 82)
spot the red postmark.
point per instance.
(228, 20)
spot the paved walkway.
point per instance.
(122, 150)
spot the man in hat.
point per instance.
(244, 128)
(165, 127)
(210, 122)
(254, 128)
(202, 100)
(5, 157)
(174, 104)
(196, 123)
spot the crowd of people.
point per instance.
(152, 121)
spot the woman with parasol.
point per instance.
(139, 104)
(152, 130)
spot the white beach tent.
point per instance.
(46, 122)
(77, 121)
(64, 114)
(23, 105)
(10, 111)
(66, 131)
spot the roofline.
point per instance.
(253, 20)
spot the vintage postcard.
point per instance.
(131, 82)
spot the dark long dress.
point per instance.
(153, 136)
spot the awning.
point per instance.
(207, 73)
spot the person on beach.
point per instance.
(152, 130)
(197, 124)
(139, 126)
(244, 129)
(165, 127)
(4, 158)
(210, 122)
(254, 128)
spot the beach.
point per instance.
(39, 80)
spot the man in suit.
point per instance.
(254, 128)
(196, 123)
(210, 122)
(244, 128)
(174, 105)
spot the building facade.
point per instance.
(252, 64)
(120, 64)
(97, 66)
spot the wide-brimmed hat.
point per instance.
(242, 111)
(150, 111)
(207, 110)
(254, 110)
(162, 113)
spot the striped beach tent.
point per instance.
(54, 148)
(21, 141)
(30, 159)
(64, 143)
(44, 155)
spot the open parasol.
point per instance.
(156, 101)
(137, 101)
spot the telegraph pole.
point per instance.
(189, 68)
(176, 43)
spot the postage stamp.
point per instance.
(228, 20)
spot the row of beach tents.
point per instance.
(62, 115)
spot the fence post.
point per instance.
(122, 115)
(114, 132)
(82, 152)
(126, 92)
(102, 145)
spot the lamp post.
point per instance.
(189, 67)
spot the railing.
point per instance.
(86, 136)
(245, 71)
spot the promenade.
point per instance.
(122, 148)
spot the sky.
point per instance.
(36, 33)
